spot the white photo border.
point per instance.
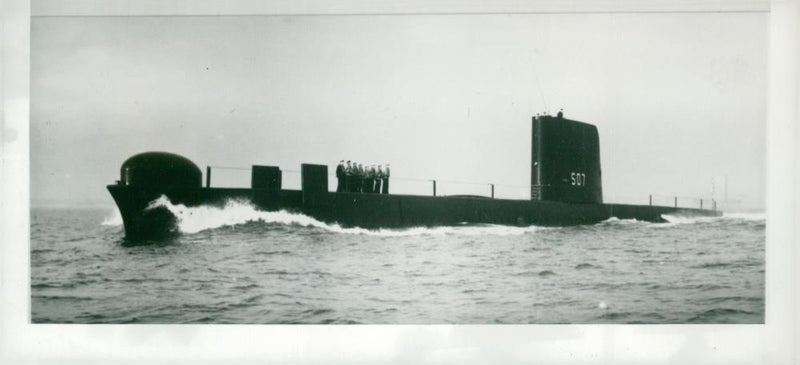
(773, 342)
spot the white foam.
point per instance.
(678, 219)
(196, 219)
(113, 219)
(615, 220)
(467, 230)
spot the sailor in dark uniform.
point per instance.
(362, 174)
(365, 179)
(368, 180)
(348, 177)
(379, 173)
(359, 178)
(385, 185)
(376, 185)
(340, 177)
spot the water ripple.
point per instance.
(271, 272)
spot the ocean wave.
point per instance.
(617, 221)
(613, 316)
(684, 219)
(205, 217)
(463, 230)
(734, 298)
(712, 265)
(76, 298)
(722, 315)
(681, 219)
(236, 212)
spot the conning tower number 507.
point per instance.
(578, 178)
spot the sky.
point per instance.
(679, 98)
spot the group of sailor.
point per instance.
(354, 177)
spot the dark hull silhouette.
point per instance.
(565, 190)
(378, 211)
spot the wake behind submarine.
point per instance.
(565, 189)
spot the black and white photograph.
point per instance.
(541, 165)
(398, 169)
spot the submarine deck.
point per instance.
(382, 210)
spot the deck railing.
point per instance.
(435, 187)
(682, 202)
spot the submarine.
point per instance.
(565, 190)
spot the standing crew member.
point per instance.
(367, 180)
(340, 177)
(359, 178)
(386, 175)
(364, 178)
(375, 185)
(379, 179)
(370, 180)
(348, 177)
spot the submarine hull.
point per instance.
(566, 189)
(144, 221)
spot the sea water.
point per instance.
(240, 265)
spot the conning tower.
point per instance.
(565, 161)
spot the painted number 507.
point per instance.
(578, 179)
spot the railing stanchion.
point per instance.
(651, 199)
(208, 176)
(492, 190)
(676, 202)
(434, 187)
